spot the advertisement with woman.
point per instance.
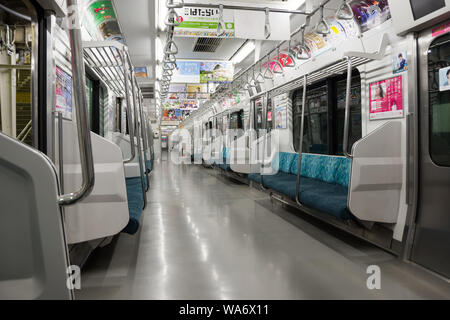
(386, 98)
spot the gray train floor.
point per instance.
(204, 236)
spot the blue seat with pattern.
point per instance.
(135, 204)
(323, 183)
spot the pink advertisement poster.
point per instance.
(386, 99)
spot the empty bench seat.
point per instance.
(323, 183)
(135, 204)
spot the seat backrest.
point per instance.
(331, 169)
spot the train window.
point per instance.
(258, 114)
(439, 98)
(89, 94)
(355, 129)
(236, 120)
(325, 115)
(269, 116)
(219, 123)
(16, 73)
(315, 135)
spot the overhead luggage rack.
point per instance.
(336, 68)
(107, 58)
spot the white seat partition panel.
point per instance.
(123, 141)
(377, 175)
(105, 211)
(33, 252)
(240, 155)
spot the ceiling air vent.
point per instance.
(147, 92)
(207, 44)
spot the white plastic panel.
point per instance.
(123, 141)
(377, 175)
(105, 211)
(33, 252)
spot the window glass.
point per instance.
(258, 114)
(315, 135)
(439, 100)
(236, 120)
(89, 94)
(269, 116)
(325, 116)
(355, 129)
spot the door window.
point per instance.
(439, 100)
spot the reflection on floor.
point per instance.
(206, 237)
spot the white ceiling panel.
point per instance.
(137, 21)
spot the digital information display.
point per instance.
(421, 8)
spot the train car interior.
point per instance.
(224, 149)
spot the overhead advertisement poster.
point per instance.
(140, 72)
(186, 71)
(215, 71)
(203, 22)
(63, 93)
(197, 91)
(104, 18)
(177, 91)
(386, 99)
(191, 71)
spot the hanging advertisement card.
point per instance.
(63, 93)
(203, 22)
(197, 91)
(177, 92)
(186, 71)
(386, 99)
(104, 18)
(140, 72)
(216, 71)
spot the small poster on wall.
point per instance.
(63, 93)
(386, 98)
(280, 103)
(400, 62)
(444, 79)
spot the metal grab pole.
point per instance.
(144, 138)
(302, 126)
(80, 99)
(129, 116)
(264, 119)
(60, 150)
(138, 138)
(347, 109)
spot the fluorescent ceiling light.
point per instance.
(162, 13)
(243, 52)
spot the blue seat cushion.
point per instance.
(148, 166)
(135, 204)
(286, 183)
(327, 198)
(315, 194)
